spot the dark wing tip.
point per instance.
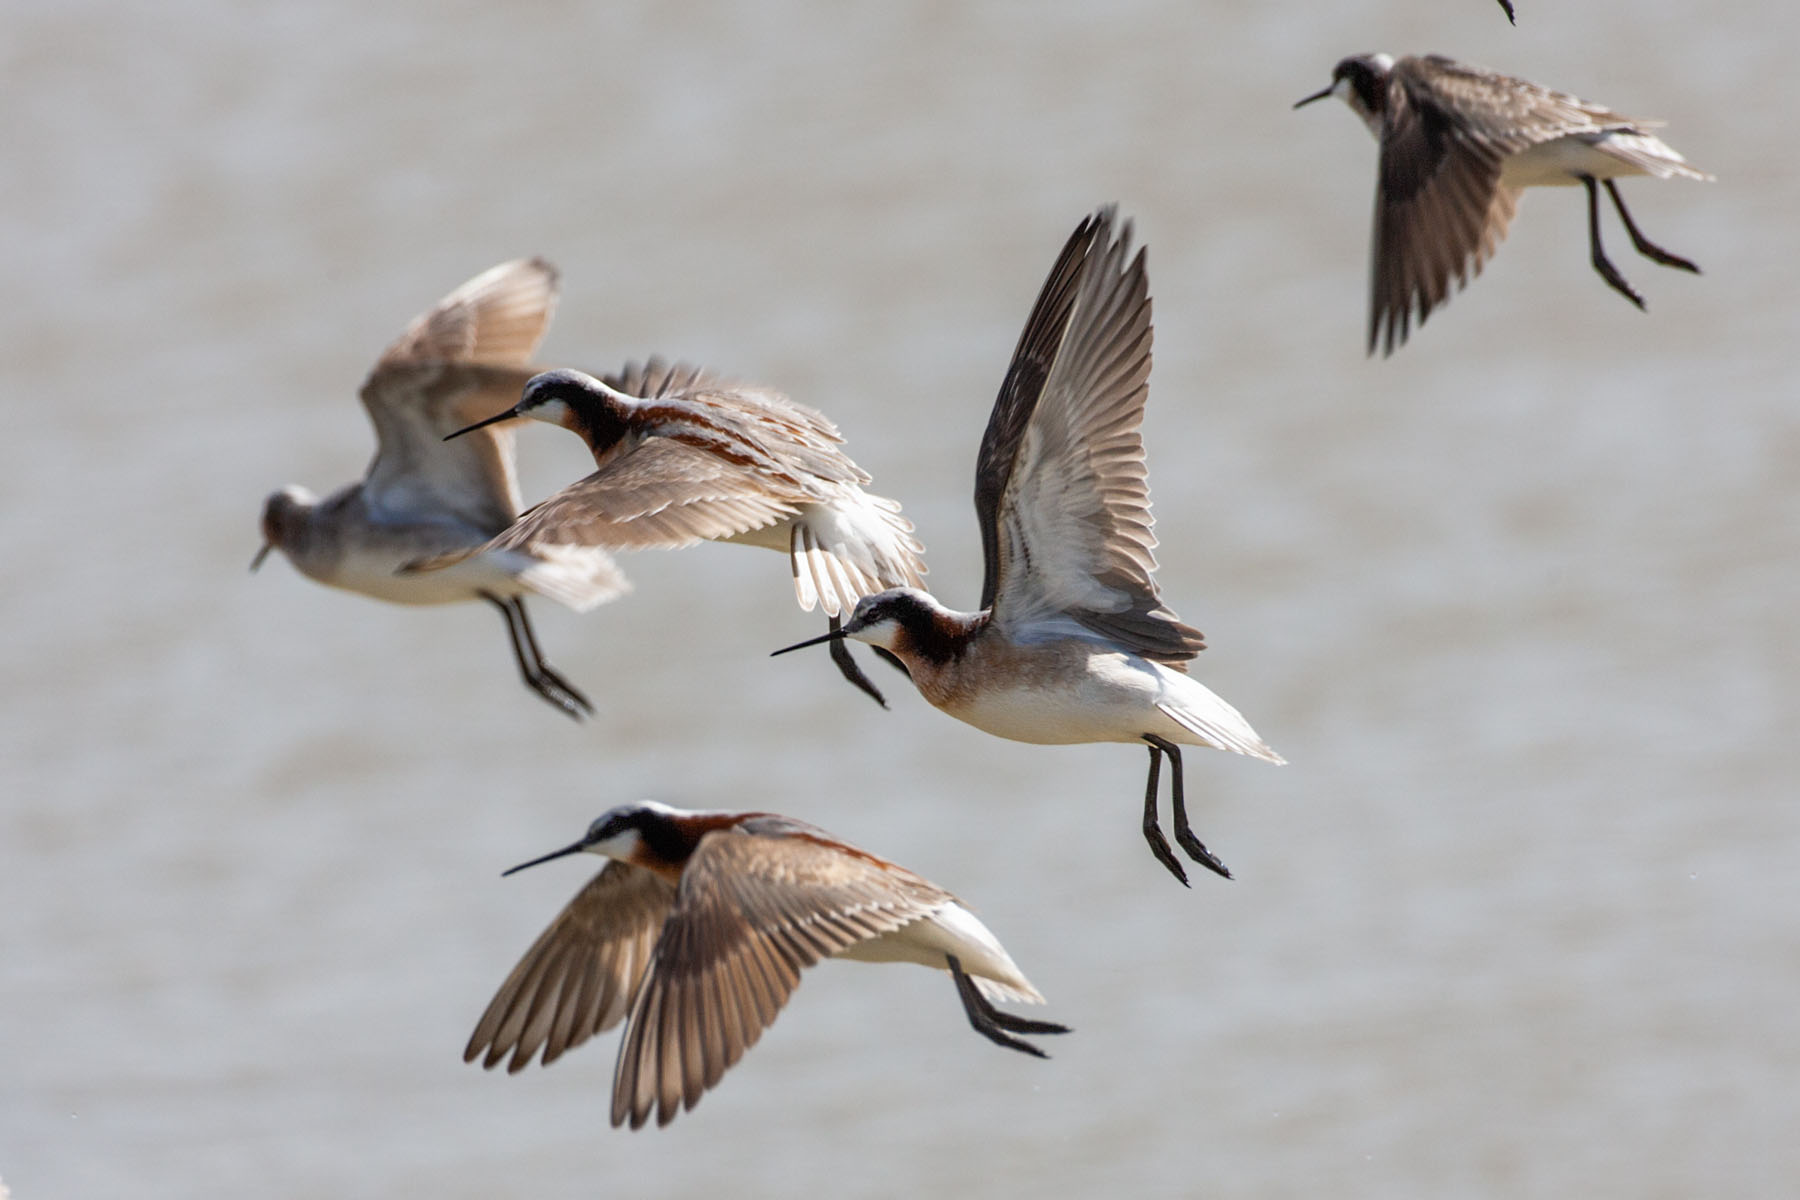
(1023, 386)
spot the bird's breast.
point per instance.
(1052, 693)
(1562, 161)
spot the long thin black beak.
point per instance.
(1319, 95)
(260, 555)
(508, 415)
(574, 848)
(836, 635)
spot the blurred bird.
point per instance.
(685, 456)
(420, 496)
(699, 929)
(1458, 145)
(1072, 643)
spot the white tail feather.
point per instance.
(1218, 724)
(853, 547)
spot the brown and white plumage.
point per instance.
(1062, 491)
(422, 496)
(1458, 145)
(1073, 642)
(682, 456)
(696, 935)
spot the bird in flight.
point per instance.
(421, 496)
(1072, 642)
(682, 456)
(695, 934)
(1458, 146)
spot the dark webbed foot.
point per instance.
(1644, 245)
(993, 1024)
(550, 684)
(1197, 851)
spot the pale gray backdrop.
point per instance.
(1519, 605)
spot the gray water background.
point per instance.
(1519, 604)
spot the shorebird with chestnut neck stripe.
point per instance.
(1458, 146)
(422, 497)
(695, 935)
(1073, 642)
(685, 456)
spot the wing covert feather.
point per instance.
(661, 493)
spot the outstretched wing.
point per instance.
(464, 359)
(757, 904)
(1440, 208)
(1068, 536)
(581, 974)
(662, 493)
(1032, 359)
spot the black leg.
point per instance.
(1159, 845)
(1596, 255)
(993, 1024)
(840, 654)
(537, 673)
(1184, 836)
(1644, 245)
(544, 670)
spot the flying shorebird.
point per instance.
(422, 497)
(699, 928)
(1458, 145)
(685, 456)
(1072, 643)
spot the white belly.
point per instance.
(367, 557)
(1086, 695)
(463, 581)
(1562, 162)
(952, 929)
(1078, 696)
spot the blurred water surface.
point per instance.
(1519, 605)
